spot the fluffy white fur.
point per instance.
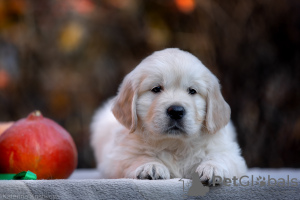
(132, 135)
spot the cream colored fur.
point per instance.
(131, 134)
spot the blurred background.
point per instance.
(66, 58)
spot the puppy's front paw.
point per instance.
(152, 171)
(208, 170)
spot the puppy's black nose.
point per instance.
(176, 112)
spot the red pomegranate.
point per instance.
(40, 145)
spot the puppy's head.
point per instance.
(171, 93)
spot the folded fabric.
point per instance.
(248, 188)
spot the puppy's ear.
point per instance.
(124, 106)
(217, 110)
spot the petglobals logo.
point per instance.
(251, 181)
(195, 187)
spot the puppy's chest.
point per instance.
(181, 162)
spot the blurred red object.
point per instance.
(4, 79)
(185, 6)
(40, 145)
(80, 6)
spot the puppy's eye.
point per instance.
(156, 89)
(192, 91)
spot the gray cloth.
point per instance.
(83, 185)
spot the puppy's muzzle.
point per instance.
(176, 112)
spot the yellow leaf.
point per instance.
(71, 37)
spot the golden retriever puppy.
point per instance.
(168, 120)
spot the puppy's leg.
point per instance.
(152, 171)
(223, 165)
(144, 167)
(207, 170)
(223, 158)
